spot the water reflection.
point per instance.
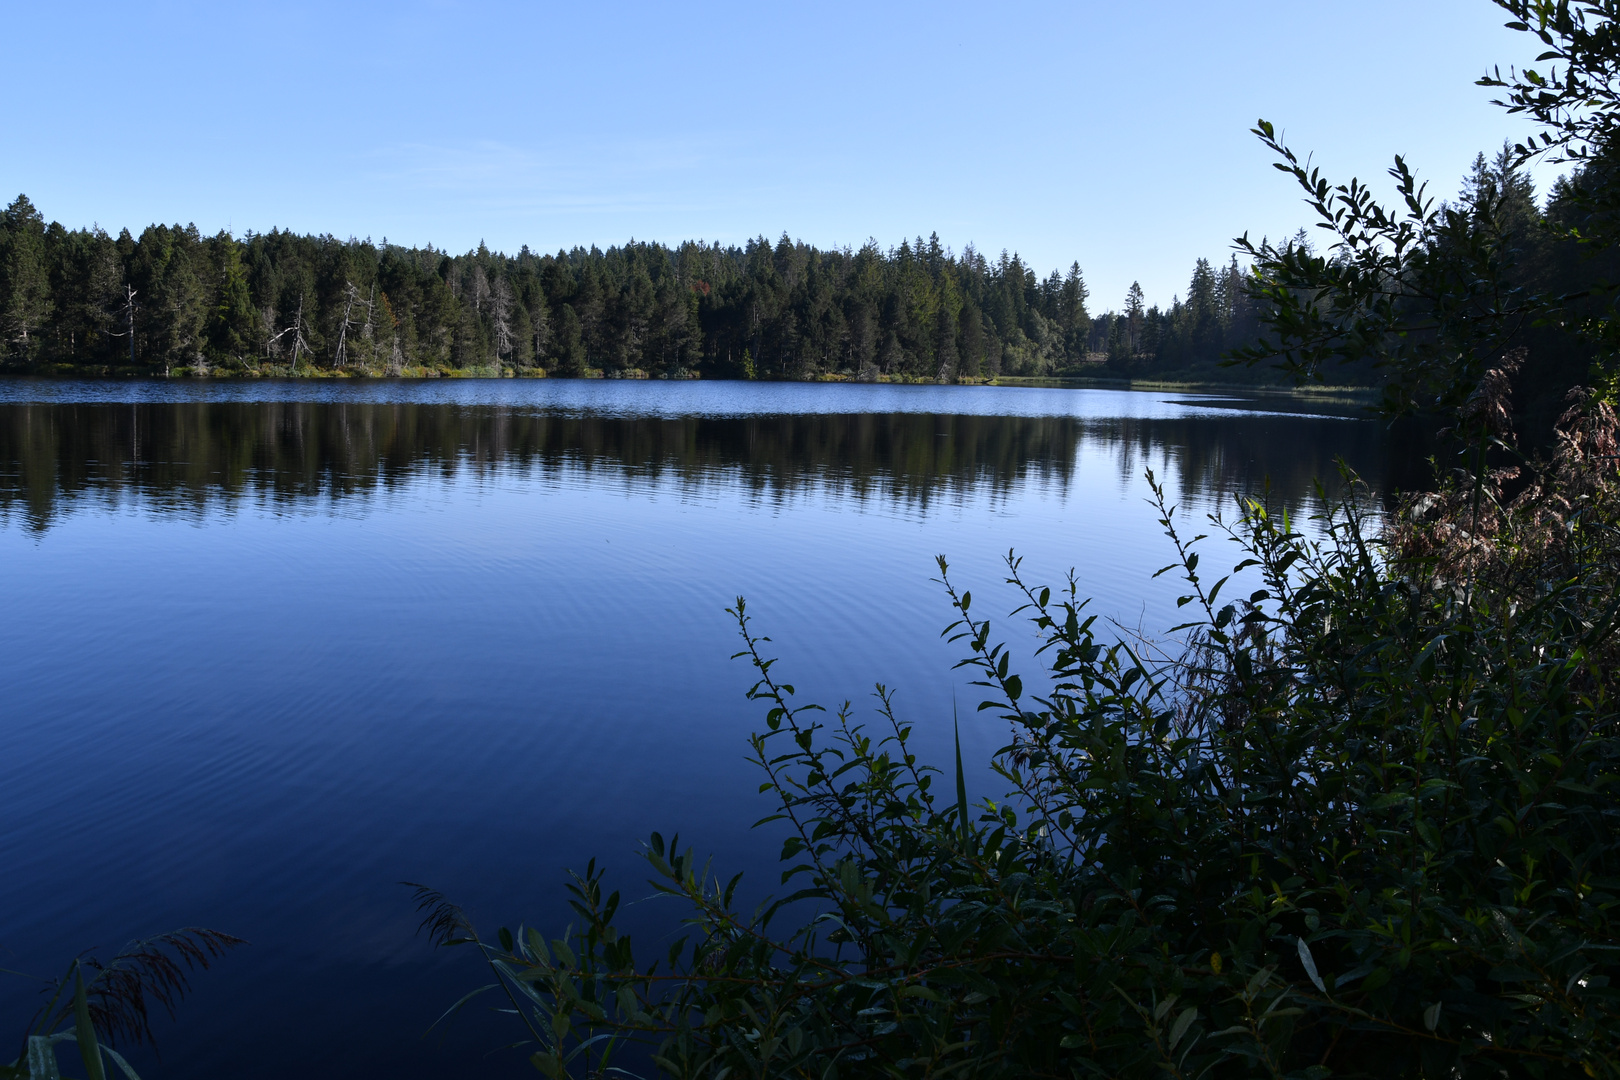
(187, 456)
(453, 651)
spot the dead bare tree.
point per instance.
(341, 356)
(501, 312)
(270, 342)
(300, 345)
(351, 300)
(367, 332)
(127, 311)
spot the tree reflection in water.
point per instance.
(190, 457)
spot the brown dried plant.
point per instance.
(122, 993)
(149, 974)
(1478, 531)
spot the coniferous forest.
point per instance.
(174, 301)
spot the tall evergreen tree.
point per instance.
(25, 298)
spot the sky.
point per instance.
(1115, 135)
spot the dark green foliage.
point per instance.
(1363, 825)
(277, 303)
(1425, 296)
(1186, 340)
(1428, 294)
(25, 292)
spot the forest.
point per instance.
(173, 301)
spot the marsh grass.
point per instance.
(98, 1005)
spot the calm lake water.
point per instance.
(273, 648)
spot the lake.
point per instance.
(273, 648)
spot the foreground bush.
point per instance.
(1366, 824)
(1361, 821)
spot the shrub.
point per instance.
(1361, 821)
(1363, 824)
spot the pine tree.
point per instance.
(500, 313)
(234, 325)
(971, 331)
(915, 309)
(1072, 315)
(1120, 356)
(540, 324)
(1204, 329)
(176, 307)
(568, 347)
(1135, 313)
(25, 298)
(945, 344)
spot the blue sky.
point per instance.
(1112, 134)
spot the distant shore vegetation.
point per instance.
(173, 301)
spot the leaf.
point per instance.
(1431, 1016)
(452, 1010)
(42, 1058)
(84, 1030)
(1309, 961)
(1183, 1022)
(118, 1059)
(961, 781)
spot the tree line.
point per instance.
(1541, 247)
(277, 303)
(173, 300)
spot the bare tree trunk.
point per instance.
(128, 312)
(396, 359)
(367, 334)
(342, 356)
(501, 309)
(299, 344)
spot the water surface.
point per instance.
(275, 647)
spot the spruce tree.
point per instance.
(25, 299)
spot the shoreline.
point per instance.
(1046, 382)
